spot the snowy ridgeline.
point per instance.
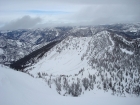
(103, 62)
(18, 43)
(17, 88)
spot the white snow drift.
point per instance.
(17, 88)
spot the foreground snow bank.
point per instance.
(17, 88)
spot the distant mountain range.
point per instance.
(75, 60)
(18, 43)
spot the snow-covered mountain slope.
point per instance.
(64, 58)
(76, 53)
(106, 61)
(18, 88)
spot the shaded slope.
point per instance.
(32, 57)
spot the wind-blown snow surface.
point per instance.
(17, 88)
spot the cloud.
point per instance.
(90, 2)
(67, 12)
(107, 14)
(22, 23)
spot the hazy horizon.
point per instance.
(27, 14)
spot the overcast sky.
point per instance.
(19, 14)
